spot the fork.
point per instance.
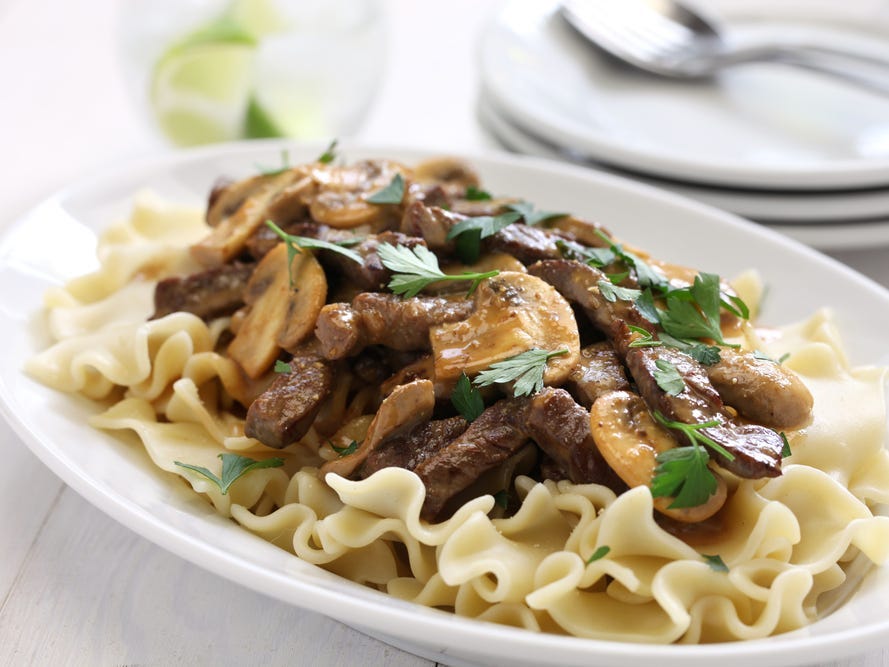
(667, 38)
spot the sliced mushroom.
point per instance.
(230, 236)
(761, 390)
(586, 232)
(514, 312)
(406, 407)
(449, 171)
(341, 197)
(278, 316)
(630, 440)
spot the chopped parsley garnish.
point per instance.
(233, 467)
(598, 554)
(612, 293)
(526, 369)
(391, 194)
(475, 194)
(415, 268)
(682, 472)
(668, 378)
(467, 399)
(693, 312)
(645, 273)
(643, 337)
(328, 155)
(716, 563)
(282, 367)
(785, 450)
(344, 451)
(294, 243)
(470, 232)
(532, 217)
(700, 352)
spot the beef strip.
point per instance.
(384, 319)
(208, 294)
(431, 223)
(412, 449)
(283, 413)
(497, 434)
(756, 449)
(530, 244)
(370, 275)
(561, 428)
(600, 371)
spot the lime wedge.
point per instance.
(202, 87)
(199, 92)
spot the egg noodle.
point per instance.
(784, 541)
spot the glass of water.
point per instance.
(218, 70)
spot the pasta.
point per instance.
(571, 558)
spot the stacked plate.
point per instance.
(791, 149)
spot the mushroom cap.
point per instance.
(514, 312)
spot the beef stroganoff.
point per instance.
(471, 403)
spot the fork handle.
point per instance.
(866, 71)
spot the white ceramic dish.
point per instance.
(759, 126)
(55, 242)
(831, 208)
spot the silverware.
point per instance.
(669, 38)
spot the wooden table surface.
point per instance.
(77, 588)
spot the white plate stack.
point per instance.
(795, 150)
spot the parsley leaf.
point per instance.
(682, 474)
(645, 306)
(475, 194)
(344, 451)
(693, 434)
(415, 268)
(501, 498)
(294, 243)
(470, 232)
(700, 352)
(716, 563)
(668, 377)
(233, 467)
(643, 337)
(693, 312)
(526, 369)
(282, 367)
(599, 553)
(785, 450)
(612, 293)
(526, 210)
(597, 257)
(391, 194)
(645, 273)
(328, 155)
(467, 399)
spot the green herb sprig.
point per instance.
(391, 194)
(415, 268)
(532, 217)
(598, 554)
(682, 472)
(234, 466)
(329, 155)
(526, 369)
(469, 233)
(294, 243)
(467, 399)
(344, 451)
(668, 378)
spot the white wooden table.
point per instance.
(75, 586)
